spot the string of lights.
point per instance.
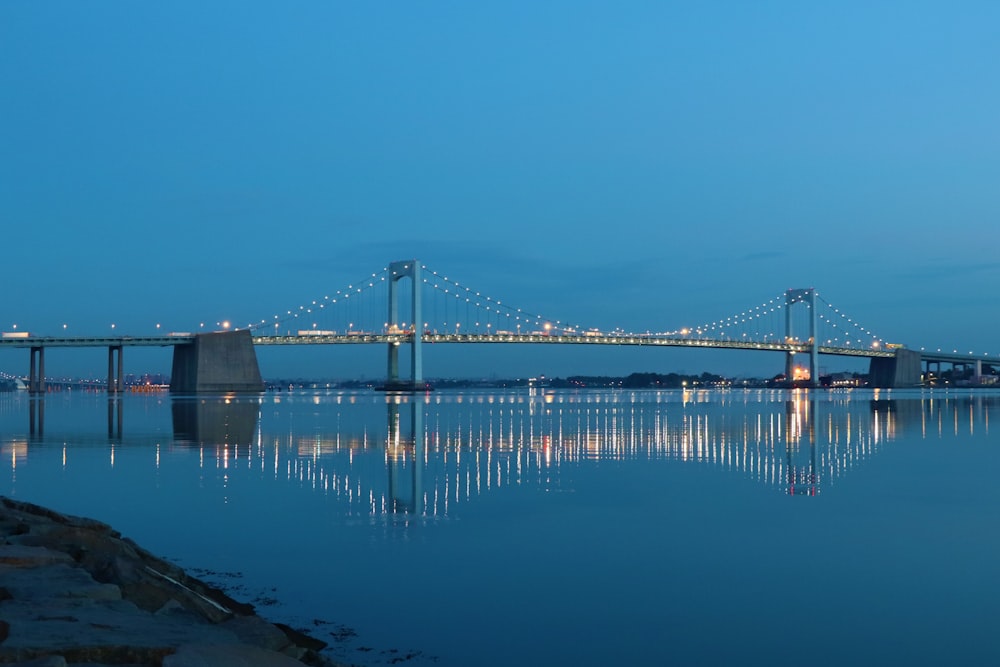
(344, 298)
(483, 309)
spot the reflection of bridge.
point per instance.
(438, 310)
(796, 441)
(438, 451)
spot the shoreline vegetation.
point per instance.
(74, 590)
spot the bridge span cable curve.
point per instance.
(339, 310)
(843, 330)
(482, 313)
(762, 323)
(450, 307)
(770, 321)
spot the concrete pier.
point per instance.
(36, 374)
(897, 372)
(116, 374)
(221, 362)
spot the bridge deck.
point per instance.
(513, 338)
(492, 338)
(97, 341)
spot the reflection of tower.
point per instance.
(800, 420)
(399, 445)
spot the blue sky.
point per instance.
(643, 165)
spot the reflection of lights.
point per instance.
(502, 439)
(17, 451)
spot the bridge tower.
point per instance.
(808, 297)
(409, 268)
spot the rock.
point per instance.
(73, 590)
(18, 555)
(258, 632)
(195, 655)
(103, 631)
(47, 661)
(55, 581)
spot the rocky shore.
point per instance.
(73, 591)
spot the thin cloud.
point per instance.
(763, 256)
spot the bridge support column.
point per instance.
(808, 297)
(116, 383)
(397, 271)
(897, 372)
(36, 373)
(223, 362)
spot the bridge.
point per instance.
(407, 305)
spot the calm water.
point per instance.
(585, 528)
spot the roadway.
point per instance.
(97, 341)
(655, 340)
(576, 339)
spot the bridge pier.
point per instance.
(116, 383)
(221, 362)
(897, 372)
(36, 372)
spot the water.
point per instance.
(585, 528)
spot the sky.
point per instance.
(626, 164)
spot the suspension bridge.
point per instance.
(406, 305)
